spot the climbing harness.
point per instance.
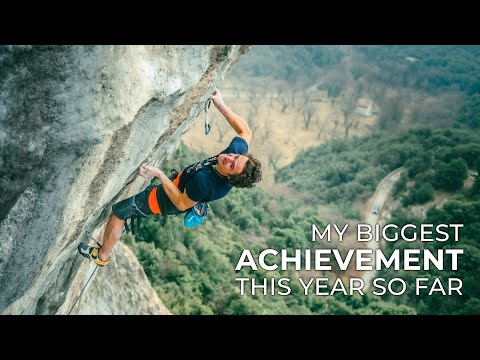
(207, 124)
(134, 226)
(193, 216)
(168, 211)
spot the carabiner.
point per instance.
(206, 107)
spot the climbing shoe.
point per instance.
(91, 253)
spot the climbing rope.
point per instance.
(206, 107)
(82, 290)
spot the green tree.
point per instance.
(419, 164)
(192, 270)
(470, 153)
(451, 176)
(471, 307)
(475, 189)
(419, 194)
(469, 114)
(401, 185)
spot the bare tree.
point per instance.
(272, 96)
(392, 107)
(252, 116)
(392, 112)
(222, 128)
(320, 128)
(306, 95)
(335, 119)
(261, 91)
(283, 98)
(308, 112)
(252, 92)
(440, 110)
(347, 105)
(273, 156)
(266, 131)
(377, 92)
(294, 92)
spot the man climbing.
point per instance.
(202, 182)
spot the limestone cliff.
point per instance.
(121, 288)
(75, 124)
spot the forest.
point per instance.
(427, 119)
(193, 269)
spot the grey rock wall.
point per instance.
(75, 124)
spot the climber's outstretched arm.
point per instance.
(238, 123)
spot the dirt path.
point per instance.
(384, 189)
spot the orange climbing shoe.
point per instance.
(91, 252)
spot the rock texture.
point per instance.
(75, 124)
(121, 288)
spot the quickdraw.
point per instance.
(207, 124)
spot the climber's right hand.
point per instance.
(217, 98)
(146, 171)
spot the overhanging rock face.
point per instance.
(75, 124)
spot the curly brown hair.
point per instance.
(251, 174)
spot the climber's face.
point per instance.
(231, 164)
